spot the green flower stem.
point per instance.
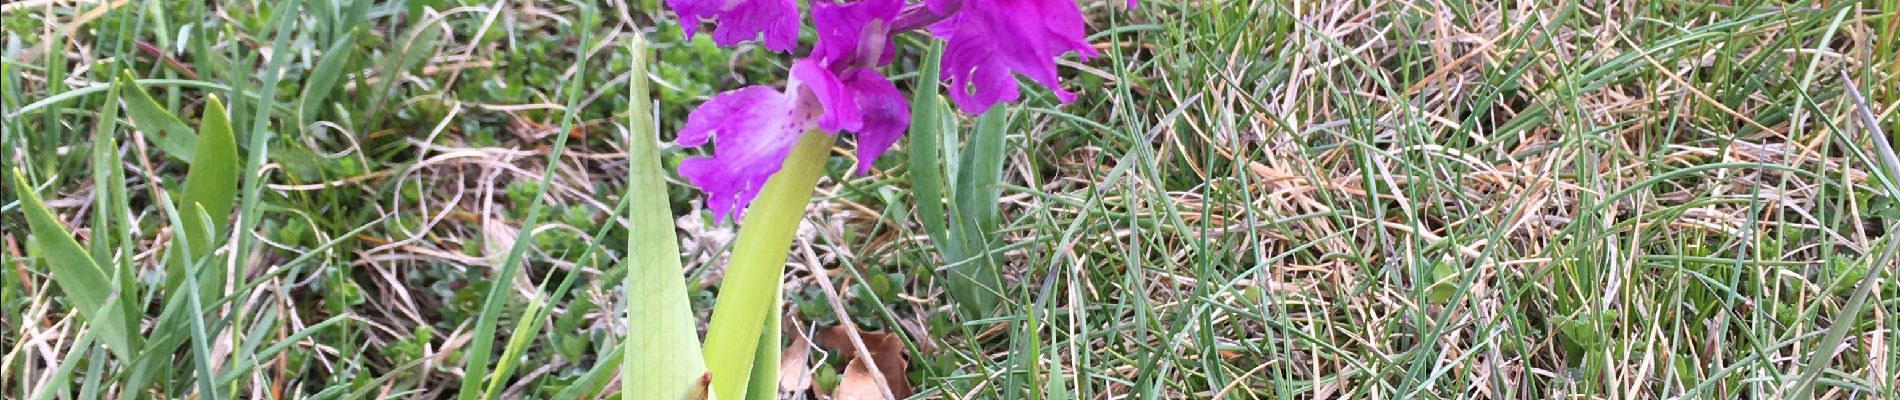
(663, 360)
(750, 291)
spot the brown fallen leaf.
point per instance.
(857, 382)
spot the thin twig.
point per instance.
(837, 307)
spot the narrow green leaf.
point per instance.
(76, 273)
(517, 344)
(589, 385)
(113, 209)
(356, 16)
(974, 281)
(751, 287)
(923, 145)
(105, 156)
(661, 329)
(161, 127)
(416, 46)
(982, 169)
(259, 136)
(324, 77)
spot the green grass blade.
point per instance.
(496, 300)
(161, 127)
(113, 208)
(58, 383)
(244, 367)
(77, 274)
(105, 155)
(661, 333)
(1819, 360)
(597, 378)
(259, 135)
(194, 313)
(537, 312)
(753, 275)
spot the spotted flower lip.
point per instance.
(989, 41)
(837, 89)
(737, 21)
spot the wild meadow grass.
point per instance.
(289, 199)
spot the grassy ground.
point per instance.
(1367, 199)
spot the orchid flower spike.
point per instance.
(837, 89)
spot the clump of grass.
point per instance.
(1361, 199)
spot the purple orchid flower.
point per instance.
(991, 40)
(741, 20)
(837, 89)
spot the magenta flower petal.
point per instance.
(841, 110)
(886, 114)
(851, 34)
(942, 7)
(991, 39)
(753, 129)
(862, 101)
(837, 89)
(741, 20)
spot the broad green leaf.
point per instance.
(763, 384)
(76, 273)
(663, 338)
(212, 181)
(750, 290)
(161, 127)
(209, 191)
